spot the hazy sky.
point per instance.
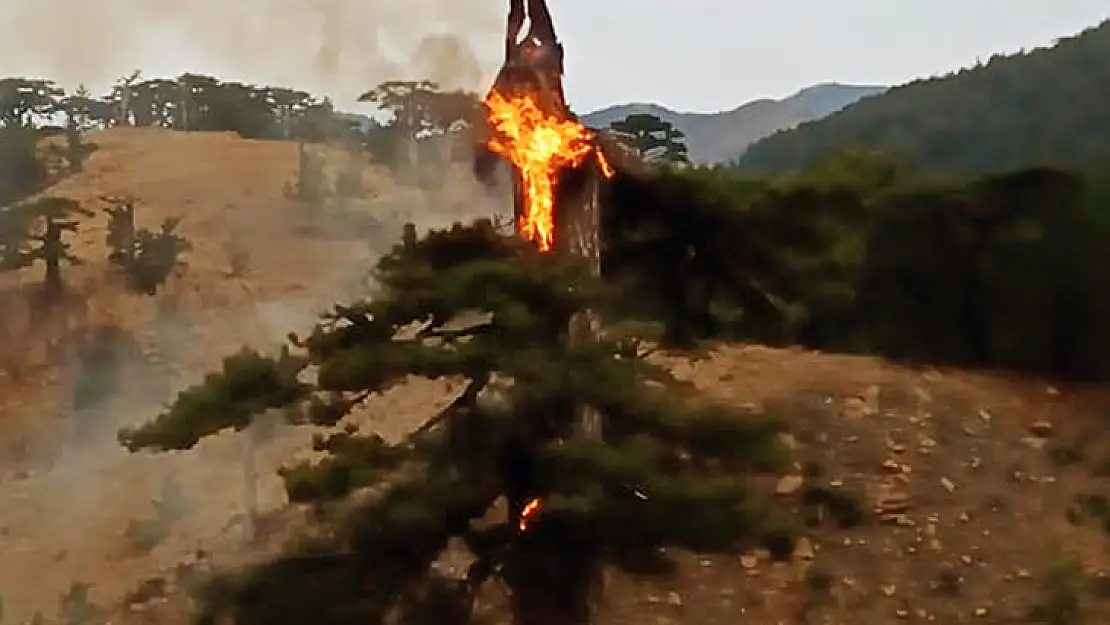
(701, 55)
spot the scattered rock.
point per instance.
(1036, 443)
(787, 440)
(789, 484)
(1041, 428)
(864, 405)
(871, 399)
(897, 519)
(674, 599)
(893, 503)
(922, 395)
(148, 590)
(804, 549)
(854, 408)
(947, 484)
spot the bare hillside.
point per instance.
(67, 493)
(230, 196)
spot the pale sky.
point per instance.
(696, 55)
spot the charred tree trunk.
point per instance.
(552, 583)
(250, 484)
(577, 232)
(52, 253)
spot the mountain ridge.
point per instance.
(722, 136)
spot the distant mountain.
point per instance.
(721, 137)
(1049, 106)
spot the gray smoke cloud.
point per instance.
(335, 47)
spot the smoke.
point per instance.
(336, 47)
(339, 48)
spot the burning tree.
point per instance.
(504, 475)
(556, 160)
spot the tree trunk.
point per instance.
(577, 231)
(184, 108)
(52, 257)
(412, 147)
(250, 483)
(550, 586)
(125, 106)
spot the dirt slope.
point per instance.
(229, 194)
(967, 482)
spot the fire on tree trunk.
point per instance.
(556, 197)
(558, 166)
(558, 169)
(577, 232)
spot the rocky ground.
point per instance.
(924, 495)
(977, 498)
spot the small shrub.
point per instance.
(75, 607)
(948, 583)
(238, 256)
(819, 581)
(1091, 506)
(779, 539)
(1066, 454)
(843, 507)
(1061, 602)
(169, 508)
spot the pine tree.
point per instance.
(147, 258)
(669, 470)
(310, 188)
(43, 221)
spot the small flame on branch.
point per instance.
(603, 163)
(538, 145)
(531, 509)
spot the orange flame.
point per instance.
(603, 163)
(530, 510)
(538, 145)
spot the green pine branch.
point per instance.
(670, 470)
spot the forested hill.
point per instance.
(1047, 106)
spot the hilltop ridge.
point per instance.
(722, 136)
